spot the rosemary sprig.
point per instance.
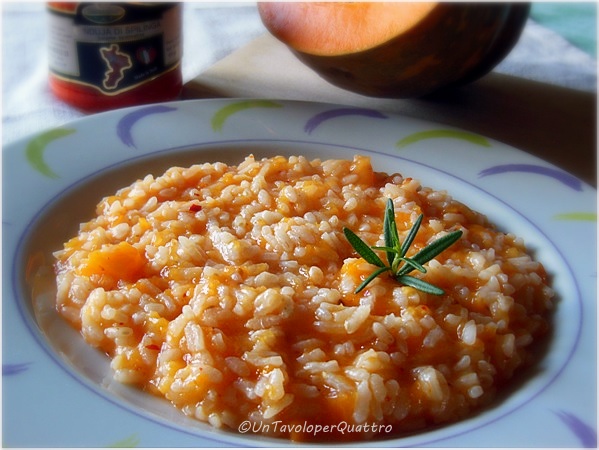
(398, 263)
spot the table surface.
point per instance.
(540, 99)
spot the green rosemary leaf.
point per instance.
(390, 231)
(362, 248)
(397, 244)
(371, 277)
(415, 265)
(433, 249)
(386, 249)
(411, 235)
(419, 284)
(396, 253)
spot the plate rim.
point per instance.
(308, 104)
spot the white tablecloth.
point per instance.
(211, 32)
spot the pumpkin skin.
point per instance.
(397, 50)
(513, 25)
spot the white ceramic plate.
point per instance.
(58, 392)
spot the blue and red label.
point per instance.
(114, 47)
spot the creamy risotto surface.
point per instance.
(229, 291)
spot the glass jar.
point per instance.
(110, 55)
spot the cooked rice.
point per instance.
(229, 290)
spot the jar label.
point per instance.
(114, 47)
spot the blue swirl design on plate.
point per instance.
(585, 433)
(14, 369)
(126, 123)
(319, 118)
(561, 176)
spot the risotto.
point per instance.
(230, 291)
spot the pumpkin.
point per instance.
(397, 49)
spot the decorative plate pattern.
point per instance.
(58, 392)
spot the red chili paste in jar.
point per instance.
(111, 55)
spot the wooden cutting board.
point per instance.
(557, 124)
